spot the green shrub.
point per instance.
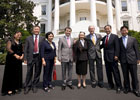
(2, 58)
(136, 35)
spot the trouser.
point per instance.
(67, 67)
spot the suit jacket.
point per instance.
(47, 52)
(65, 53)
(80, 51)
(29, 48)
(94, 50)
(130, 54)
(112, 48)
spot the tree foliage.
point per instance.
(16, 15)
(136, 35)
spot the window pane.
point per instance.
(83, 18)
(126, 23)
(43, 10)
(124, 5)
(43, 28)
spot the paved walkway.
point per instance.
(76, 94)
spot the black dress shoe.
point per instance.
(46, 89)
(51, 87)
(118, 90)
(137, 93)
(110, 88)
(126, 91)
(34, 89)
(63, 88)
(93, 85)
(101, 85)
(17, 91)
(3, 94)
(71, 87)
(26, 90)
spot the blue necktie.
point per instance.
(124, 41)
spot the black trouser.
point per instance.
(99, 70)
(47, 75)
(112, 68)
(30, 81)
(132, 68)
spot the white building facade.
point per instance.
(55, 15)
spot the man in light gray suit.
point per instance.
(94, 54)
(65, 56)
(33, 60)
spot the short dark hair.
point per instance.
(48, 33)
(108, 26)
(124, 27)
(68, 28)
(36, 26)
(82, 32)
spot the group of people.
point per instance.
(86, 50)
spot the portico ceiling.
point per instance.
(101, 7)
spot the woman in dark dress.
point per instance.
(48, 54)
(81, 58)
(12, 79)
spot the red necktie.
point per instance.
(35, 44)
(106, 42)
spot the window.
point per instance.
(43, 28)
(83, 18)
(124, 5)
(126, 23)
(98, 22)
(68, 23)
(139, 5)
(43, 9)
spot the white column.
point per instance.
(110, 12)
(117, 9)
(49, 15)
(72, 13)
(93, 12)
(56, 17)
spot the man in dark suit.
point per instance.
(33, 60)
(94, 54)
(129, 57)
(111, 53)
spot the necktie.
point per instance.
(93, 40)
(106, 42)
(35, 44)
(68, 41)
(124, 41)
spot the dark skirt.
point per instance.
(12, 79)
(81, 67)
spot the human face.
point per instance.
(91, 29)
(50, 37)
(36, 30)
(81, 36)
(18, 35)
(124, 32)
(68, 32)
(108, 30)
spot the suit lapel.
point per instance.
(128, 42)
(32, 39)
(97, 37)
(65, 41)
(122, 43)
